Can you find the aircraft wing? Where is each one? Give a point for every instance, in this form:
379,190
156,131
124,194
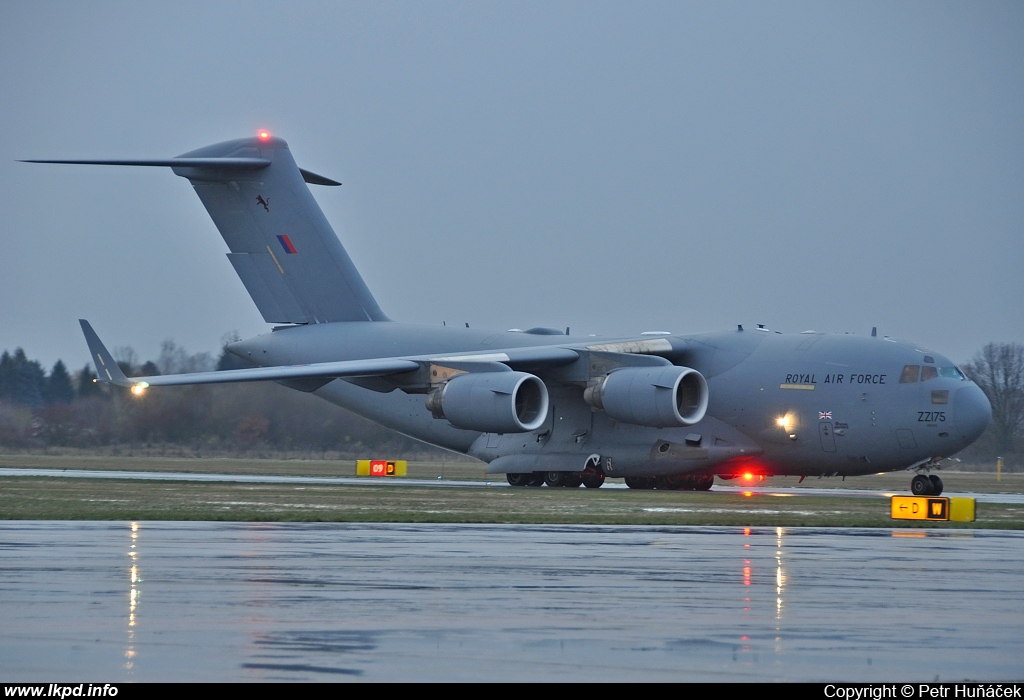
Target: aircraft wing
108,371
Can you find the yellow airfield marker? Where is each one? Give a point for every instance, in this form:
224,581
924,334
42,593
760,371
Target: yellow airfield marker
932,508
381,467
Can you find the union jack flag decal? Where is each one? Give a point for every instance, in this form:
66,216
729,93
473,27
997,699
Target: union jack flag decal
824,415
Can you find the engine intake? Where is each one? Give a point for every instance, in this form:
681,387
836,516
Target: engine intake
492,402
658,397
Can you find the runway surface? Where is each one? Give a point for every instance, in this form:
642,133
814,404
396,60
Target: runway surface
1009,498
158,601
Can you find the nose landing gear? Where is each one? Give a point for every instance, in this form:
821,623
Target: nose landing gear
926,485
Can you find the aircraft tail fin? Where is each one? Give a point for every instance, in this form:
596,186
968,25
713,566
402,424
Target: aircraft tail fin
282,247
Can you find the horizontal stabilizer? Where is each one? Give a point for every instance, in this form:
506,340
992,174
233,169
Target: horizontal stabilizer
281,245
217,163
208,163
314,179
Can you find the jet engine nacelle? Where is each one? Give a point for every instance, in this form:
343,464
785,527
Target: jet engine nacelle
492,402
658,397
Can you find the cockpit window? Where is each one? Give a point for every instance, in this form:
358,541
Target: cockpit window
951,372
909,375
928,372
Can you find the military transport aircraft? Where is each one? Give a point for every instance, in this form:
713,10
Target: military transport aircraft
542,406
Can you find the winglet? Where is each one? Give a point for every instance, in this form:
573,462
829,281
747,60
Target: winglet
107,370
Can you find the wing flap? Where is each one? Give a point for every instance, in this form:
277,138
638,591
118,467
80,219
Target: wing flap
321,370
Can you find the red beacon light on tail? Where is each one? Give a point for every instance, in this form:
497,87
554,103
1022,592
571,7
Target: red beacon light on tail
263,135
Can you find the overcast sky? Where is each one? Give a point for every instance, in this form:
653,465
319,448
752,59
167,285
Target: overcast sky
613,167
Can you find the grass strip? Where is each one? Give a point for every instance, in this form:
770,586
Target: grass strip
40,498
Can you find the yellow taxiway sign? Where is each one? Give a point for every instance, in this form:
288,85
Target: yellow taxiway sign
932,508
381,467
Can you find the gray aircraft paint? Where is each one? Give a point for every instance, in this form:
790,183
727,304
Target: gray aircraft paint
800,404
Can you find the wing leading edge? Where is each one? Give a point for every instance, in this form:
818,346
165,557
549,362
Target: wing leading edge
108,371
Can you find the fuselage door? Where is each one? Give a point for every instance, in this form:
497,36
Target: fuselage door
906,439
571,420
828,440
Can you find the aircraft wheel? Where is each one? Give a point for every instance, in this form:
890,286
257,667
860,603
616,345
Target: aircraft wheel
519,479
572,480
554,479
678,482
659,482
936,485
921,485
704,482
593,477
640,482
536,479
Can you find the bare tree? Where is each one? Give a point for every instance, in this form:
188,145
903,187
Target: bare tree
127,359
175,360
999,370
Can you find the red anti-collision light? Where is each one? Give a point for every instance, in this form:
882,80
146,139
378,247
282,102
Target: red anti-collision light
264,135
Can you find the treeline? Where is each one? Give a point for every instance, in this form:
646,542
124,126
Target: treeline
24,382
998,368
62,409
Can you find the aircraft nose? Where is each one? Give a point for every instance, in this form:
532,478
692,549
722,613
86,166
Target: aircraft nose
971,412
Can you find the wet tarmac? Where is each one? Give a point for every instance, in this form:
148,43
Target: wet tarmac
158,601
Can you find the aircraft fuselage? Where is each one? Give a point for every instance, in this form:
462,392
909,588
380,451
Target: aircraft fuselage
795,404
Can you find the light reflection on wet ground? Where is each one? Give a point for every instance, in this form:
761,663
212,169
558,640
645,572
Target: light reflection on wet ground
154,601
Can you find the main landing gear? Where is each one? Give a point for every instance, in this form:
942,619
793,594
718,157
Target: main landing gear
590,477
926,485
672,482
593,478
519,479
